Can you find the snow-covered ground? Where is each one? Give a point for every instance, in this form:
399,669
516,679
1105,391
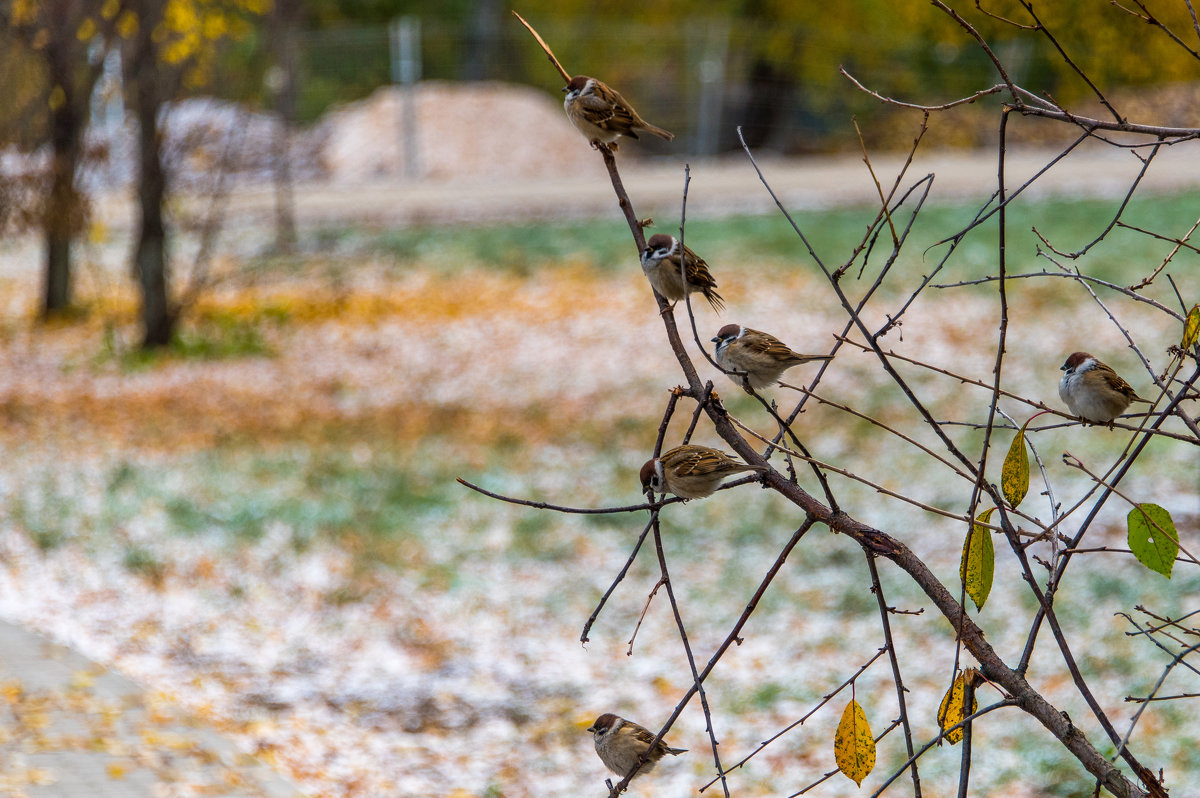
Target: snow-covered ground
215,521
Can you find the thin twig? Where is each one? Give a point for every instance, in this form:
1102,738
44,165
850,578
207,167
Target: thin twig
1074,462
897,679
566,76
587,627
558,508
800,721
1007,702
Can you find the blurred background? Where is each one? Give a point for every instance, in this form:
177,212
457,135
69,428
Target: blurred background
275,274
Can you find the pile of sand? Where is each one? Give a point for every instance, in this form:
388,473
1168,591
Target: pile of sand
455,131
451,131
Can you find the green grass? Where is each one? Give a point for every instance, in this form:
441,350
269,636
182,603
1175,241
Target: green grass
215,337
737,241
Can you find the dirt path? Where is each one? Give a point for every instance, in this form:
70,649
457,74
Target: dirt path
720,187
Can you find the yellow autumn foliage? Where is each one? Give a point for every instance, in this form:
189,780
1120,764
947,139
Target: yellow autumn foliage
87,29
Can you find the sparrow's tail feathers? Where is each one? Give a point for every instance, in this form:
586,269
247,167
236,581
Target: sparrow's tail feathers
658,131
714,299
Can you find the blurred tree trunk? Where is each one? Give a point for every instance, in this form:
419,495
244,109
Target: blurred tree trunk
769,91
284,23
149,86
68,120
70,78
483,42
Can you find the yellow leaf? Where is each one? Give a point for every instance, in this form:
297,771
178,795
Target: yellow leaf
978,564
81,680
23,12
215,26
87,29
1014,476
57,99
116,770
854,745
97,232
12,691
951,711
127,25
1191,327
110,8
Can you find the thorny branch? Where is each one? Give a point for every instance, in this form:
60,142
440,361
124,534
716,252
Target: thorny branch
875,542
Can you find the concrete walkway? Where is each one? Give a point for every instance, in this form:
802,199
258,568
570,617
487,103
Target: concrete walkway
69,728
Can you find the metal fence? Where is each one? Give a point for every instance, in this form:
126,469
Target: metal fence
702,78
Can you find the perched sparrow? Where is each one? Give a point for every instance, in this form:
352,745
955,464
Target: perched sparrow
691,472
620,742
1093,391
600,114
762,357
660,262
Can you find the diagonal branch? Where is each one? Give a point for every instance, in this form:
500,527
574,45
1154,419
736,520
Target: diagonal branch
566,76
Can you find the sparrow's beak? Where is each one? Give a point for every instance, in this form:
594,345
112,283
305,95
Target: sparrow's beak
1063,367
592,729
715,340
565,89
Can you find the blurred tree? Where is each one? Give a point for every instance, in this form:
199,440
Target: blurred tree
484,41
171,47
786,55
284,26
70,39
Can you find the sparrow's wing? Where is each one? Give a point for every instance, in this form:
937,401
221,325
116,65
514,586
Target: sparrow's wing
1118,384
608,113
694,460
699,276
765,345
642,735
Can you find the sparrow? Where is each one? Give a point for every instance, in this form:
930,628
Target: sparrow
621,742
1093,391
660,262
762,357
691,472
602,115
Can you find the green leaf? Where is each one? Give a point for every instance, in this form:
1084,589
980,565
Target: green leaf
854,745
1191,327
1014,476
1152,538
978,561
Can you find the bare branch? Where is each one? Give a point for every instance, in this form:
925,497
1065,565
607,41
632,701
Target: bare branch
800,722
566,76
999,87
629,508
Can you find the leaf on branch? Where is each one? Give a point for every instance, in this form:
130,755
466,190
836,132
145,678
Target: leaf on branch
952,710
978,560
854,745
1191,327
1014,476
1152,538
